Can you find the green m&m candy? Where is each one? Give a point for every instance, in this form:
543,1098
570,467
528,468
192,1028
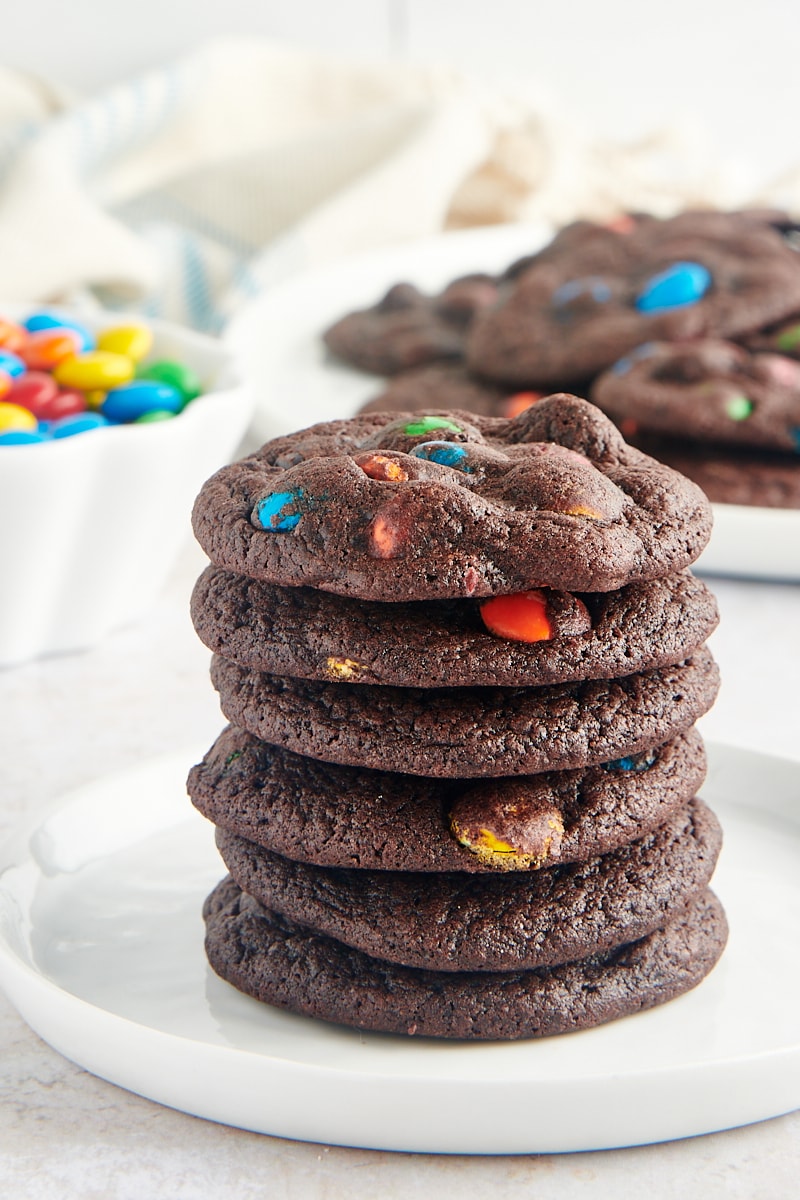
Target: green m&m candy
176,374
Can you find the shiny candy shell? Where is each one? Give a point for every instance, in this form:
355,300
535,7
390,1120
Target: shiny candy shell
22,437
133,400
521,617
33,390
175,374
135,341
94,369
12,336
681,284
46,348
13,418
45,319
80,423
11,363
446,454
279,512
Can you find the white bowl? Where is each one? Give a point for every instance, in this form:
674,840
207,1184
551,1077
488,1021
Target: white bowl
93,523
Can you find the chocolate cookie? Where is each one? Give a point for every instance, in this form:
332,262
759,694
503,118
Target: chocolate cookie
286,965
495,922
730,475
464,732
700,274
337,816
407,327
711,390
310,634
448,386
448,505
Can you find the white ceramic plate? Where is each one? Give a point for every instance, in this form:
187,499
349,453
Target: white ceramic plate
101,951
277,340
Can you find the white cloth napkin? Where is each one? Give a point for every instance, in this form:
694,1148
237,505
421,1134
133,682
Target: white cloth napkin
185,192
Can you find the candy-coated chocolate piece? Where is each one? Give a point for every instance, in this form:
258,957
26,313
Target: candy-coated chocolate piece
280,512
94,369
63,404
345,669
583,510
446,454
593,287
134,341
633,762
622,224
681,284
94,398
5,383
521,617
428,424
783,371
389,530
14,417
22,437
133,400
514,830
739,408
11,363
154,416
33,390
519,402
380,466
788,339
46,348
175,374
12,335
47,319
80,423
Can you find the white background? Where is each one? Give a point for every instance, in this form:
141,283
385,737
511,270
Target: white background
619,67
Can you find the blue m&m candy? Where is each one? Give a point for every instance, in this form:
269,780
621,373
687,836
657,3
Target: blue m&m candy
681,284
447,454
54,320
130,401
80,423
281,511
11,363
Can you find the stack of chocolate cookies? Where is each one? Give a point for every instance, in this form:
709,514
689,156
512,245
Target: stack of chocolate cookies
462,658
685,331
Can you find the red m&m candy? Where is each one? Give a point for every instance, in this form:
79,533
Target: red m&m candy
518,618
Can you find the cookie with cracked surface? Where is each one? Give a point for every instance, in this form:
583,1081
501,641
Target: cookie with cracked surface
591,301
446,505
465,732
286,965
709,390
456,921
530,639
337,816
407,327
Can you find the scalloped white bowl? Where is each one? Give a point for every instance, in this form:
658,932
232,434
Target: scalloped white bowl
93,523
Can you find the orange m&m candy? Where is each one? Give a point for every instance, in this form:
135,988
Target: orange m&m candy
46,348
519,402
519,618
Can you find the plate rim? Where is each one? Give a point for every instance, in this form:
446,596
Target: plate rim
294,1074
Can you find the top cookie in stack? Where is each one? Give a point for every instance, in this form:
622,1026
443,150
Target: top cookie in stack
462,659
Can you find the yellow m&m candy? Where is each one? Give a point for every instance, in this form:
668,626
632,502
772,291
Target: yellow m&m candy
134,341
94,370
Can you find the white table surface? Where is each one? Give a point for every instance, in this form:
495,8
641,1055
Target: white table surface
64,1133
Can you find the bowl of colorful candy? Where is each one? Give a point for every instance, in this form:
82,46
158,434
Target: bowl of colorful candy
108,427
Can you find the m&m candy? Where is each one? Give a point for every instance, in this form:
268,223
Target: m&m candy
58,380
